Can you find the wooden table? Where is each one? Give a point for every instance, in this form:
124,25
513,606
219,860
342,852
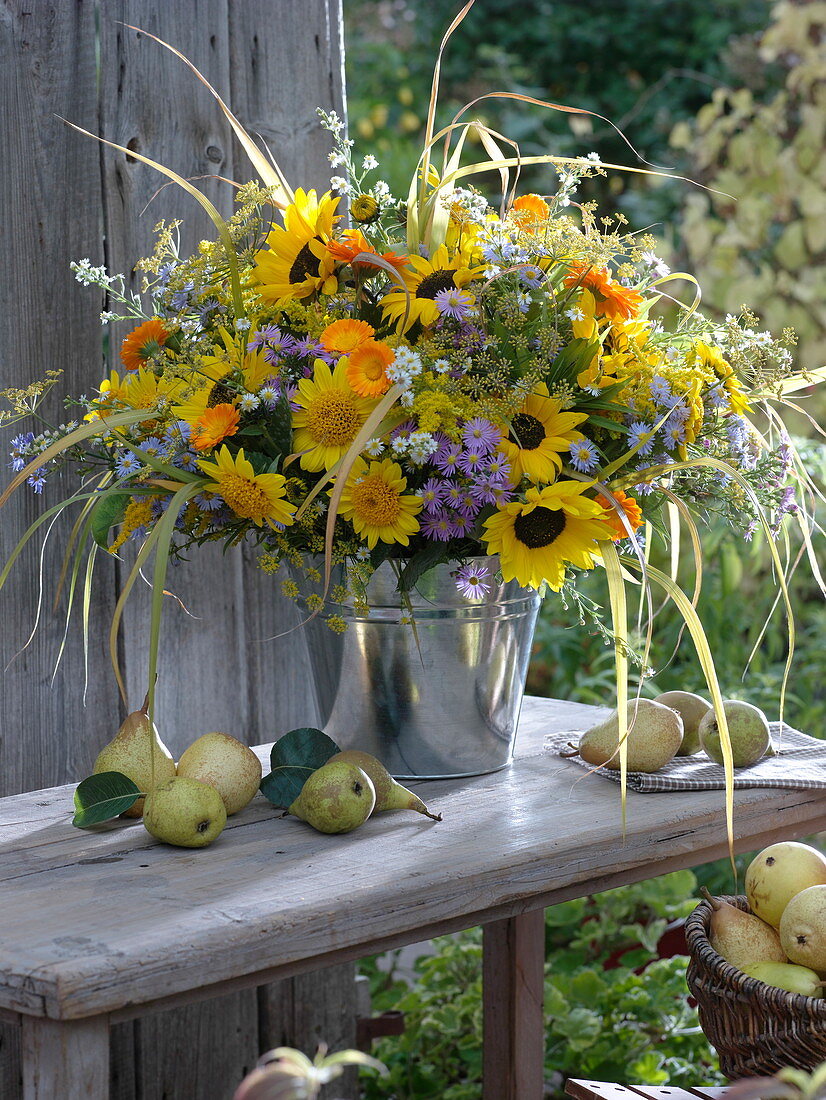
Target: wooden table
102,926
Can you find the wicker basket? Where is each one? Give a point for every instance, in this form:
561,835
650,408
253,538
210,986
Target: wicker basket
755,1028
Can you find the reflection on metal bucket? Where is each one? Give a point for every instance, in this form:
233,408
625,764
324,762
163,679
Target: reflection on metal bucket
434,699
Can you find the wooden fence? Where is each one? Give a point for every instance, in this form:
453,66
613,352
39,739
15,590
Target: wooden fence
63,197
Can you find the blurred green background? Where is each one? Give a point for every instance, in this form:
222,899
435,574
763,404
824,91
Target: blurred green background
730,95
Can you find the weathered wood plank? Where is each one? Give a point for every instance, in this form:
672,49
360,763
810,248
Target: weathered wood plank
269,893
513,964
65,1058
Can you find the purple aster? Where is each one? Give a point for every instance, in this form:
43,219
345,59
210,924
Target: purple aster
530,275
310,348
472,581
454,494
462,523
269,393
468,505
498,466
453,302
37,480
127,464
180,298
432,494
583,456
637,432
437,526
472,461
209,502
186,460
446,458
660,390
177,434
481,434
486,490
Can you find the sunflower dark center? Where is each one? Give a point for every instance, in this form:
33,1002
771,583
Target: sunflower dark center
539,528
526,431
431,284
220,395
305,264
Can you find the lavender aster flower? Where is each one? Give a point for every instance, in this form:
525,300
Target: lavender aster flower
583,456
660,390
127,464
453,302
432,494
472,581
480,433
446,458
37,480
639,431
437,526
472,460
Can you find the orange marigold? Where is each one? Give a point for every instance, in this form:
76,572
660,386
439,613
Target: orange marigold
143,342
345,336
530,213
630,508
353,242
367,366
217,423
612,299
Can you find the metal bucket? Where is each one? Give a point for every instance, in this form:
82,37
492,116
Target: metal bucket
435,699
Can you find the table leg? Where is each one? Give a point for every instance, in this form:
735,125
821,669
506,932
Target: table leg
514,1026
65,1058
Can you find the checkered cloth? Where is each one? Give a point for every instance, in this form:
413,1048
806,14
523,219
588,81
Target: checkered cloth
800,763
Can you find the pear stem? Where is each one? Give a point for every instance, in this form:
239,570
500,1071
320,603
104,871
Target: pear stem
433,817
715,903
568,755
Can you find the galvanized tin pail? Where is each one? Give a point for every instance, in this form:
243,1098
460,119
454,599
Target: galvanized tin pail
434,699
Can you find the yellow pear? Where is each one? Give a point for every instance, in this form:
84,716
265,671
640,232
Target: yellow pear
803,928
390,794
226,764
779,872
184,812
741,938
788,976
655,733
336,798
692,709
137,752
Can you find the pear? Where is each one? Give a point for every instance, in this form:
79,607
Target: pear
741,938
691,708
748,729
788,976
779,872
803,928
655,733
227,764
336,798
137,752
184,812
390,795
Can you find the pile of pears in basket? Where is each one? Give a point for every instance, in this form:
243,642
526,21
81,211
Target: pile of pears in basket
782,941
187,804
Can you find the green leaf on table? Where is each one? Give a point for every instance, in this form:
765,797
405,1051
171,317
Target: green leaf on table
103,796
293,759
109,510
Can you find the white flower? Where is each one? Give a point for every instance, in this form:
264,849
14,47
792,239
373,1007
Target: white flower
421,445
575,314
248,402
369,163
241,324
337,160
338,183
374,448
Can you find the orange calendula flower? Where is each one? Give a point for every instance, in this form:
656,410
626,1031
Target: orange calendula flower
353,242
630,509
612,299
214,425
367,368
345,336
530,213
143,342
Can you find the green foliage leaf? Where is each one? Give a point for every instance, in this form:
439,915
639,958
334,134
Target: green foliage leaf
293,759
103,796
109,510
260,462
433,554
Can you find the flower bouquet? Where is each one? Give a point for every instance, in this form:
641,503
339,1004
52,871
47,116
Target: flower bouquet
357,379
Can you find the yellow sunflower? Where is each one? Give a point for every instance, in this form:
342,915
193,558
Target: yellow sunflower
259,497
329,416
534,538
296,263
424,279
374,502
539,433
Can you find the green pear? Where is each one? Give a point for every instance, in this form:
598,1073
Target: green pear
748,730
337,797
803,928
226,764
741,938
390,795
137,752
184,812
654,735
788,976
779,872
692,709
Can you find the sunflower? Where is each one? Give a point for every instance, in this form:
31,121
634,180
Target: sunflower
424,279
539,433
374,503
328,417
258,497
366,369
630,509
612,299
250,367
143,343
296,263
214,425
534,538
